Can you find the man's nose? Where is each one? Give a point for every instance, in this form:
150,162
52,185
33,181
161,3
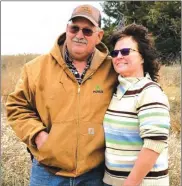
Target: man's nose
80,34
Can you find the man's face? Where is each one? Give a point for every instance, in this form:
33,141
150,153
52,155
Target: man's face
80,45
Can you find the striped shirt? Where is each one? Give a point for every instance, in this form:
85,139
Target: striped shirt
137,117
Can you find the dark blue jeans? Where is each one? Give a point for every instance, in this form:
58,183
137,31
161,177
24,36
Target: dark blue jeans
41,177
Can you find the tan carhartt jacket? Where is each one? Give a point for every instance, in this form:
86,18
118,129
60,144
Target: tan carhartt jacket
48,97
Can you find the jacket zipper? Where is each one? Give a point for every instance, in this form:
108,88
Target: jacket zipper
78,92
76,155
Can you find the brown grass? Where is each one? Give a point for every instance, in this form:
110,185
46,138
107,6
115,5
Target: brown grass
174,159
10,70
170,80
15,160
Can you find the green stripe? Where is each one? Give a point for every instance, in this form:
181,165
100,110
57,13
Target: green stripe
153,114
162,126
121,122
124,142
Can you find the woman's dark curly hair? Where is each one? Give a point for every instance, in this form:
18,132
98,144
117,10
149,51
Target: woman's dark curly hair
145,46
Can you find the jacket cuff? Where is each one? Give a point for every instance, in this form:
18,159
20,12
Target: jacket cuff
155,145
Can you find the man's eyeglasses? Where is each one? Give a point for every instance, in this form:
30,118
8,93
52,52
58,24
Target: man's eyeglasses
74,29
124,52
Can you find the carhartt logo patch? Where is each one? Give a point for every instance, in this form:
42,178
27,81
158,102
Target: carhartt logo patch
91,131
98,89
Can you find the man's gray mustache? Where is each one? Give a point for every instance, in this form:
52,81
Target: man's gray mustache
79,40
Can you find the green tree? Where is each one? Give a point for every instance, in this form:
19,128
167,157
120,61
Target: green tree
162,18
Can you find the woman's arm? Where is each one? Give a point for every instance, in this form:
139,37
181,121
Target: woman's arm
154,119
144,163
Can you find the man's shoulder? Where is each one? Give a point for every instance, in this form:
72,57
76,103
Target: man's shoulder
38,60
109,58
37,65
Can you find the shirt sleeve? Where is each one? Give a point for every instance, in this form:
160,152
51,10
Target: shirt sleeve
153,113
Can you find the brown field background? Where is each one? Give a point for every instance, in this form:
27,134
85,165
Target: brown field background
15,160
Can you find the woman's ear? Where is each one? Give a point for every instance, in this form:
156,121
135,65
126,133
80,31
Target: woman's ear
100,36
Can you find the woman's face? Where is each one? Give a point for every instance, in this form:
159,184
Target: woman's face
130,65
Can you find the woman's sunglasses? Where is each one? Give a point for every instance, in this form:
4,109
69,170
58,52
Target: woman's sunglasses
124,52
74,29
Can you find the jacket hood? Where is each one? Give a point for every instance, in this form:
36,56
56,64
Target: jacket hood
101,52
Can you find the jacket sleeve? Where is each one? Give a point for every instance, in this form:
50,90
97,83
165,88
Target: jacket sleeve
21,110
153,114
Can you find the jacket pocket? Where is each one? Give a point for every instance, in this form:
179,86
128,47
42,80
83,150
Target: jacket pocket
45,153
59,149
44,148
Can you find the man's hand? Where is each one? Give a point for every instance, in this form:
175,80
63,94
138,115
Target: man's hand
41,139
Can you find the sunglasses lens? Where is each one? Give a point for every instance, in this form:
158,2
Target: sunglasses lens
125,51
114,53
87,31
74,29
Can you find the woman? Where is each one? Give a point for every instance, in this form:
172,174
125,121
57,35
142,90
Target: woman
137,121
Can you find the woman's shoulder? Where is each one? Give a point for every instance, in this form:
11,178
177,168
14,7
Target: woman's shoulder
147,83
151,92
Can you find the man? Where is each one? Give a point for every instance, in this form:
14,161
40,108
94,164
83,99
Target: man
58,105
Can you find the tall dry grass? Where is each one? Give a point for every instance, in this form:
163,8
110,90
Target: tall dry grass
15,160
170,81
11,66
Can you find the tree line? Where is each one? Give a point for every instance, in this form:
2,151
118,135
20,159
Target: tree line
162,18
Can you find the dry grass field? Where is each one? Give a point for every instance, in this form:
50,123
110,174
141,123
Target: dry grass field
15,161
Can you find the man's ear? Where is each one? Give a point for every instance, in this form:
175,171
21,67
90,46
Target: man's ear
100,36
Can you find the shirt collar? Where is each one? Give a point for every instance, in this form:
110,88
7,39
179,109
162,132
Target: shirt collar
126,83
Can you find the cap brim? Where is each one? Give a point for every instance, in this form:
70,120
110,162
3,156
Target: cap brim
90,19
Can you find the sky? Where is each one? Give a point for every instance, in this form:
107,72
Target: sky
33,27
